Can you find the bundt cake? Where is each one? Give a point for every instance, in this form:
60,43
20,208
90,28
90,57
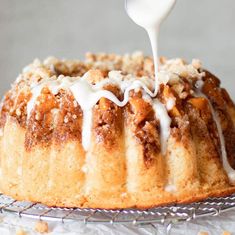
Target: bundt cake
93,134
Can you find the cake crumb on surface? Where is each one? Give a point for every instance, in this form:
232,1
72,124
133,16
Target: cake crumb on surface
203,233
21,232
226,233
41,227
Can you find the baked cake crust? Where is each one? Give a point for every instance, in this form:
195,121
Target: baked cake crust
43,159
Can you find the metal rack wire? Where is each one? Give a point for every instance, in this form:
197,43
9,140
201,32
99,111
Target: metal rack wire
164,215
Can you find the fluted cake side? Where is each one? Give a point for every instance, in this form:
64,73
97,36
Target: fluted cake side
121,148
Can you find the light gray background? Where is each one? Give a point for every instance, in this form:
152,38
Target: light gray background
68,28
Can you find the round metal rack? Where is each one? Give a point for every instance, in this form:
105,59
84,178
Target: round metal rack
166,214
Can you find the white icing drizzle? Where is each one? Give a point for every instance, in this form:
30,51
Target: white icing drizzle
228,169
87,95
165,122
36,91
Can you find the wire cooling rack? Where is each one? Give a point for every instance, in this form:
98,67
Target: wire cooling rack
166,214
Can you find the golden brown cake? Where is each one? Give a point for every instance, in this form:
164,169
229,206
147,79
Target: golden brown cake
93,134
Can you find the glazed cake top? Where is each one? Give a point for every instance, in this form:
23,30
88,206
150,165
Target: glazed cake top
87,81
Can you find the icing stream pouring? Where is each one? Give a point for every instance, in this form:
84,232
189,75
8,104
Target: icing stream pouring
149,14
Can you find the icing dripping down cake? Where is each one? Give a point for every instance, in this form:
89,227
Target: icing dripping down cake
93,134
